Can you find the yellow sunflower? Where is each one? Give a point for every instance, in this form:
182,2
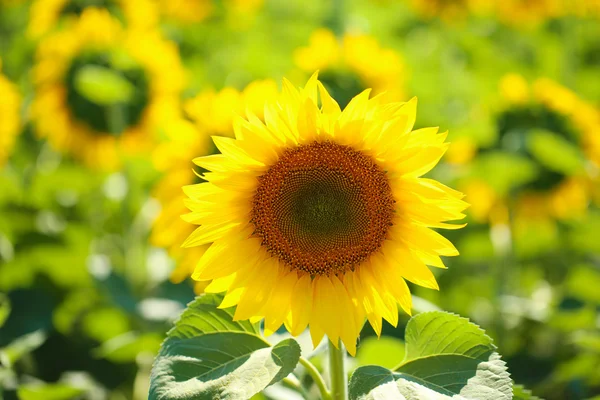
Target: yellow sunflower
317,216
101,91
187,11
10,122
451,11
353,64
550,125
44,15
212,113
529,12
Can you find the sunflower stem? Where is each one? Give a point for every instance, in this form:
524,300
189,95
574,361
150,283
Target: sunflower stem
317,378
337,371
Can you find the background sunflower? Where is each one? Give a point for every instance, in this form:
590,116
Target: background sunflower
101,92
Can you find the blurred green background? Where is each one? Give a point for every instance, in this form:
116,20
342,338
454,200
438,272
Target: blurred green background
104,103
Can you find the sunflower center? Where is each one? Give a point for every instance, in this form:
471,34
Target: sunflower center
323,208
107,91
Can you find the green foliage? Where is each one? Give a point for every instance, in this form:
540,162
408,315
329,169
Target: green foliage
521,393
384,351
103,86
49,392
4,308
555,152
207,355
447,356
20,347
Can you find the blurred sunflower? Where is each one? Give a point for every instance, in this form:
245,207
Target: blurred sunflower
551,127
100,90
212,113
529,12
10,103
351,65
187,11
450,11
195,11
44,15
326,211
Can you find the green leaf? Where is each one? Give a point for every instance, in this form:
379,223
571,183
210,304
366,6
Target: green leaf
49,392
207,355
103,86
436,332
384,351
555,152
446,357
126,347
516,170
520,393
21,346
202,316
4,308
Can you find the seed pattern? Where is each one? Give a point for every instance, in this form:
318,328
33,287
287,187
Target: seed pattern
323,208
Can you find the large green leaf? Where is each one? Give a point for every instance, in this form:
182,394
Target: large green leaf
207,355
446,357
202,316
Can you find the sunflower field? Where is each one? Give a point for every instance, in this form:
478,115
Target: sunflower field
244,199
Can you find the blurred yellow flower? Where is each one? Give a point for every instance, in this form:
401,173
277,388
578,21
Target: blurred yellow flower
358,55
187,11
10,120
461,151
528,12
45,15
212,114
214,111
101,91
325,211
451,11
569,126
515,89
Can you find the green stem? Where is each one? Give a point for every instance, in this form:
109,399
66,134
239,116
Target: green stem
317,378
337,372
293,383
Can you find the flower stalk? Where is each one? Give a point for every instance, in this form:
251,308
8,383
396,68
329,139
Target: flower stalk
337,372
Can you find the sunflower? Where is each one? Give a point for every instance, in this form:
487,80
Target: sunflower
450,11
212,114
187,11
10,102
529,12
551,127
101,91
352,65
45,15
317,216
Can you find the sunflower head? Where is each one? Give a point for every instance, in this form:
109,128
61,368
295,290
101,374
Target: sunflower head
550,125
318,216
100,90
45,15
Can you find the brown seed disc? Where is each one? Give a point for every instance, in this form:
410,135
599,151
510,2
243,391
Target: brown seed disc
323,208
